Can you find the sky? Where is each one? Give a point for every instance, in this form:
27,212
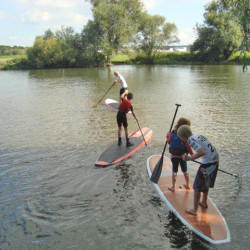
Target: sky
22,20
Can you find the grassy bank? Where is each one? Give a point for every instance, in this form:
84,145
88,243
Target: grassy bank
168,58
12,62
16,62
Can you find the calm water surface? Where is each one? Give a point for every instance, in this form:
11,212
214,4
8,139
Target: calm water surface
52,196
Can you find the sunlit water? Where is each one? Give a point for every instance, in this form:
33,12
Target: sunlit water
52,196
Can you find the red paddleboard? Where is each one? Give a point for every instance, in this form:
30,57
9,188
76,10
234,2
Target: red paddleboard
209,223
115,154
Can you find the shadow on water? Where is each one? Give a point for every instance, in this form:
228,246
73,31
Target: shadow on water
180,236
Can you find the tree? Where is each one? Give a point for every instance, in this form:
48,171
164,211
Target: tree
154,33
118,22
241,11
219,36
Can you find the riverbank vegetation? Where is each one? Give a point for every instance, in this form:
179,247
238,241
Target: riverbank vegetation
123,32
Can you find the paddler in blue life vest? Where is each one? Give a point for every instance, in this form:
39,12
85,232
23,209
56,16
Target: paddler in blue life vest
177,148
123,84
206,174
121,117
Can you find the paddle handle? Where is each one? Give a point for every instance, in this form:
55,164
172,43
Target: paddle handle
223,171
141,132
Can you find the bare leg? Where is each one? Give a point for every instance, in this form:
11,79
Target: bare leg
197,196
126,132
174,175
186,175
203,203
119,132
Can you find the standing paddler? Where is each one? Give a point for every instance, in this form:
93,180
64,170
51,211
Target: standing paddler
120,80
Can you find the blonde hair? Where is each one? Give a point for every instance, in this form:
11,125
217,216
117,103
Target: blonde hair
182,121
116,72
184,131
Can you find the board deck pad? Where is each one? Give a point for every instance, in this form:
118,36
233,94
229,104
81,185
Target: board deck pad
115,153
113,105
209,223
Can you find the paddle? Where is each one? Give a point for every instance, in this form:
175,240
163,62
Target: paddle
219,170
141,132
158,168
95,105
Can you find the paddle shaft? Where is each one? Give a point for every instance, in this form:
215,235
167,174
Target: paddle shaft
219,170
158,168
105,94
141,132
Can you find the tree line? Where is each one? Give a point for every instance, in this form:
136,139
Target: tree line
125,25
9,50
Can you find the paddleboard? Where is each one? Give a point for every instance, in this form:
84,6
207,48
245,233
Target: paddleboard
209,223
114,153
113,105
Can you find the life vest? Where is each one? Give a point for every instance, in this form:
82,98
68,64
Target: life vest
176,147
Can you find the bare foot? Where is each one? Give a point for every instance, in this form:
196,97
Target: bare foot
186,186
203,205
191,211
172,189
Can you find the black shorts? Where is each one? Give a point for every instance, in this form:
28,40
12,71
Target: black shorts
122,90
205,177
175,165
122,119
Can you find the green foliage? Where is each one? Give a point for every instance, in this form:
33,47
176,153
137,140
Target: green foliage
65,48
219,37
117,22
241,11
154,33
15,50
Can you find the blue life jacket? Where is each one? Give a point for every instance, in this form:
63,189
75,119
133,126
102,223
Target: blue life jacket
177,147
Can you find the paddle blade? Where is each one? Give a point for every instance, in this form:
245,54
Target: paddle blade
95,106
157,171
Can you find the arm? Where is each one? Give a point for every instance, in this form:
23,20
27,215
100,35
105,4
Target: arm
189,149
114,82
133,113
168,137
195,156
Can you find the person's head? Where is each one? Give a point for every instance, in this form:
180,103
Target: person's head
130,96
182,121
184,132
116,73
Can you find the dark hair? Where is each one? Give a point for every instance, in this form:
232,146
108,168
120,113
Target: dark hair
130,96
182,121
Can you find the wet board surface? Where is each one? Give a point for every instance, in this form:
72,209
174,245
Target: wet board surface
113,105
114,153
209,223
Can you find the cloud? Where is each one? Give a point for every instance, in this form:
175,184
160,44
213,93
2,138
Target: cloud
78,18
149,4
186,36
55,3
2,15
36,16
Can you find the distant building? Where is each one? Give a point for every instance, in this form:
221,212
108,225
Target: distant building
171,48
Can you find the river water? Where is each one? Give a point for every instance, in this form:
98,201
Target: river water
52,196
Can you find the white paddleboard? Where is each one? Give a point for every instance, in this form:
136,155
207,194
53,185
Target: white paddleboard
209,223
113,105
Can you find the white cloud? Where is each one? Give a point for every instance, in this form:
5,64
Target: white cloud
55,3
186,36
2,15
78,18
36,16
149,4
